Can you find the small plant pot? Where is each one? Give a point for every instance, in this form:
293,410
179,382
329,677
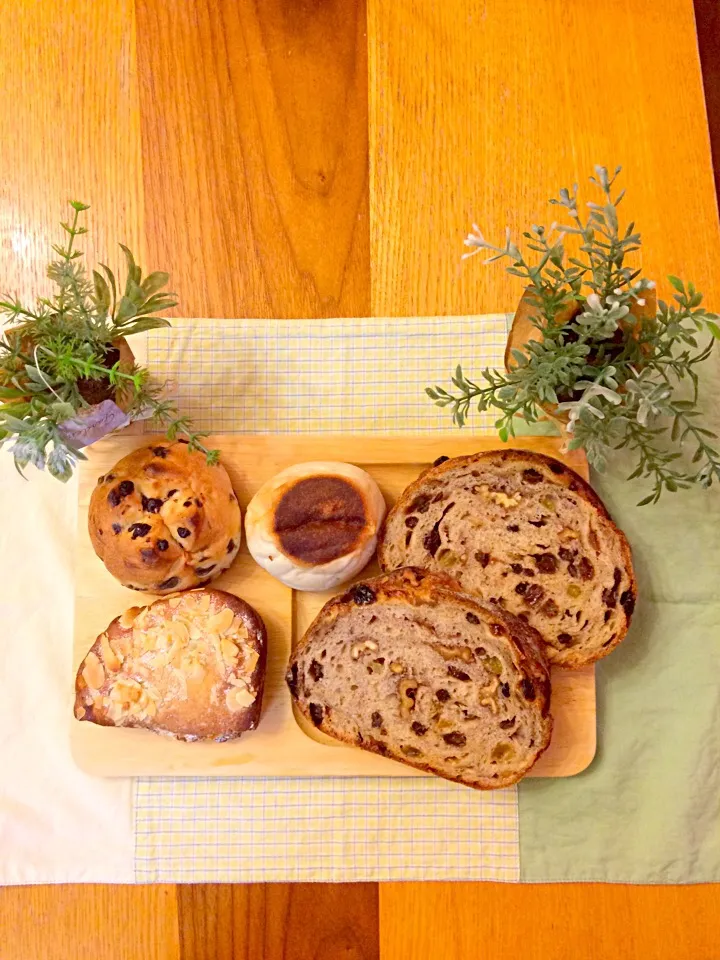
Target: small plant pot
95,392
523,330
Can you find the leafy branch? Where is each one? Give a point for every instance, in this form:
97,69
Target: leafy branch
57,356
618,371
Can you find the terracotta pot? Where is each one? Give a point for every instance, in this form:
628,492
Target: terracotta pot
95,391
523,330
92,391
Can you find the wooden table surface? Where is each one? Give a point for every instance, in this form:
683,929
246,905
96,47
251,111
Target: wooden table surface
287,158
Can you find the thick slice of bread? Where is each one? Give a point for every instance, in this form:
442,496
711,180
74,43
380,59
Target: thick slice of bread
522,530
191,666
407,666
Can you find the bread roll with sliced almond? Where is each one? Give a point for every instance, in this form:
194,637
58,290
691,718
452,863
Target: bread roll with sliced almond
315,525
525,531
191,666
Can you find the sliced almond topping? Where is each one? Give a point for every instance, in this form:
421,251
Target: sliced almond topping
179,632
79,712
150,708
238,698
111,660
239,628
128,618
221,622
175,602
93,673
250,662
228,650
203,602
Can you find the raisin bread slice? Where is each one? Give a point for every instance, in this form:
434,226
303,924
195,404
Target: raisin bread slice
525,531
407,666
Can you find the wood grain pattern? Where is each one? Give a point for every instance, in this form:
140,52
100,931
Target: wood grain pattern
285,744
99,921
69,129
547,922
707,17
279,922
254,130
479,111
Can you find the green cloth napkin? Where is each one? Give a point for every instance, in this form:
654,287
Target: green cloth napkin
647,810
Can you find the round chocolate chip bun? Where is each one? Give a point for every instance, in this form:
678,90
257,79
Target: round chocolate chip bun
408,666
163,519
190,666
525,531
315,525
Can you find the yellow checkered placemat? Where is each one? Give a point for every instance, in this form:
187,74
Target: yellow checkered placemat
331,376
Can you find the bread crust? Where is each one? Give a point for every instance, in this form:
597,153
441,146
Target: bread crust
163,520
314,525
204,699
419,588
558,473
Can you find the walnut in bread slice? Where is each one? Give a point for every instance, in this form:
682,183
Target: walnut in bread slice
191,666
408,666
525,531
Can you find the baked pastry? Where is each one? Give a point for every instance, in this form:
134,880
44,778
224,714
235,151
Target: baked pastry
315,525
163,520
409,667
191,666
525,531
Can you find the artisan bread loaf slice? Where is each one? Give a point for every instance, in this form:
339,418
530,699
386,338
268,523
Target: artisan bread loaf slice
522,530
407,666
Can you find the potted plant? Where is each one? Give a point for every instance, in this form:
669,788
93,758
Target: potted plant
590,346
67,373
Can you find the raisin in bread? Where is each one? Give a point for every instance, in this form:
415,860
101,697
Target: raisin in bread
191,666
407,666
163,519
522,530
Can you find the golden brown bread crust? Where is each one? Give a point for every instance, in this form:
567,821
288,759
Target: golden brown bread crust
563,476
420,588
191,666
164,520
318,519
314,525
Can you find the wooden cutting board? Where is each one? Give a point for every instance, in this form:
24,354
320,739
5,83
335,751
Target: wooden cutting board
283,745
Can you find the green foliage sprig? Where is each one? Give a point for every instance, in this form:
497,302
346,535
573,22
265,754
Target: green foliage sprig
52,354
619,382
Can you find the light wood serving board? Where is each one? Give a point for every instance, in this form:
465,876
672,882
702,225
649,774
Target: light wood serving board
283,745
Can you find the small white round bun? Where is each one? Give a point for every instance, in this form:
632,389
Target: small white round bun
315,525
